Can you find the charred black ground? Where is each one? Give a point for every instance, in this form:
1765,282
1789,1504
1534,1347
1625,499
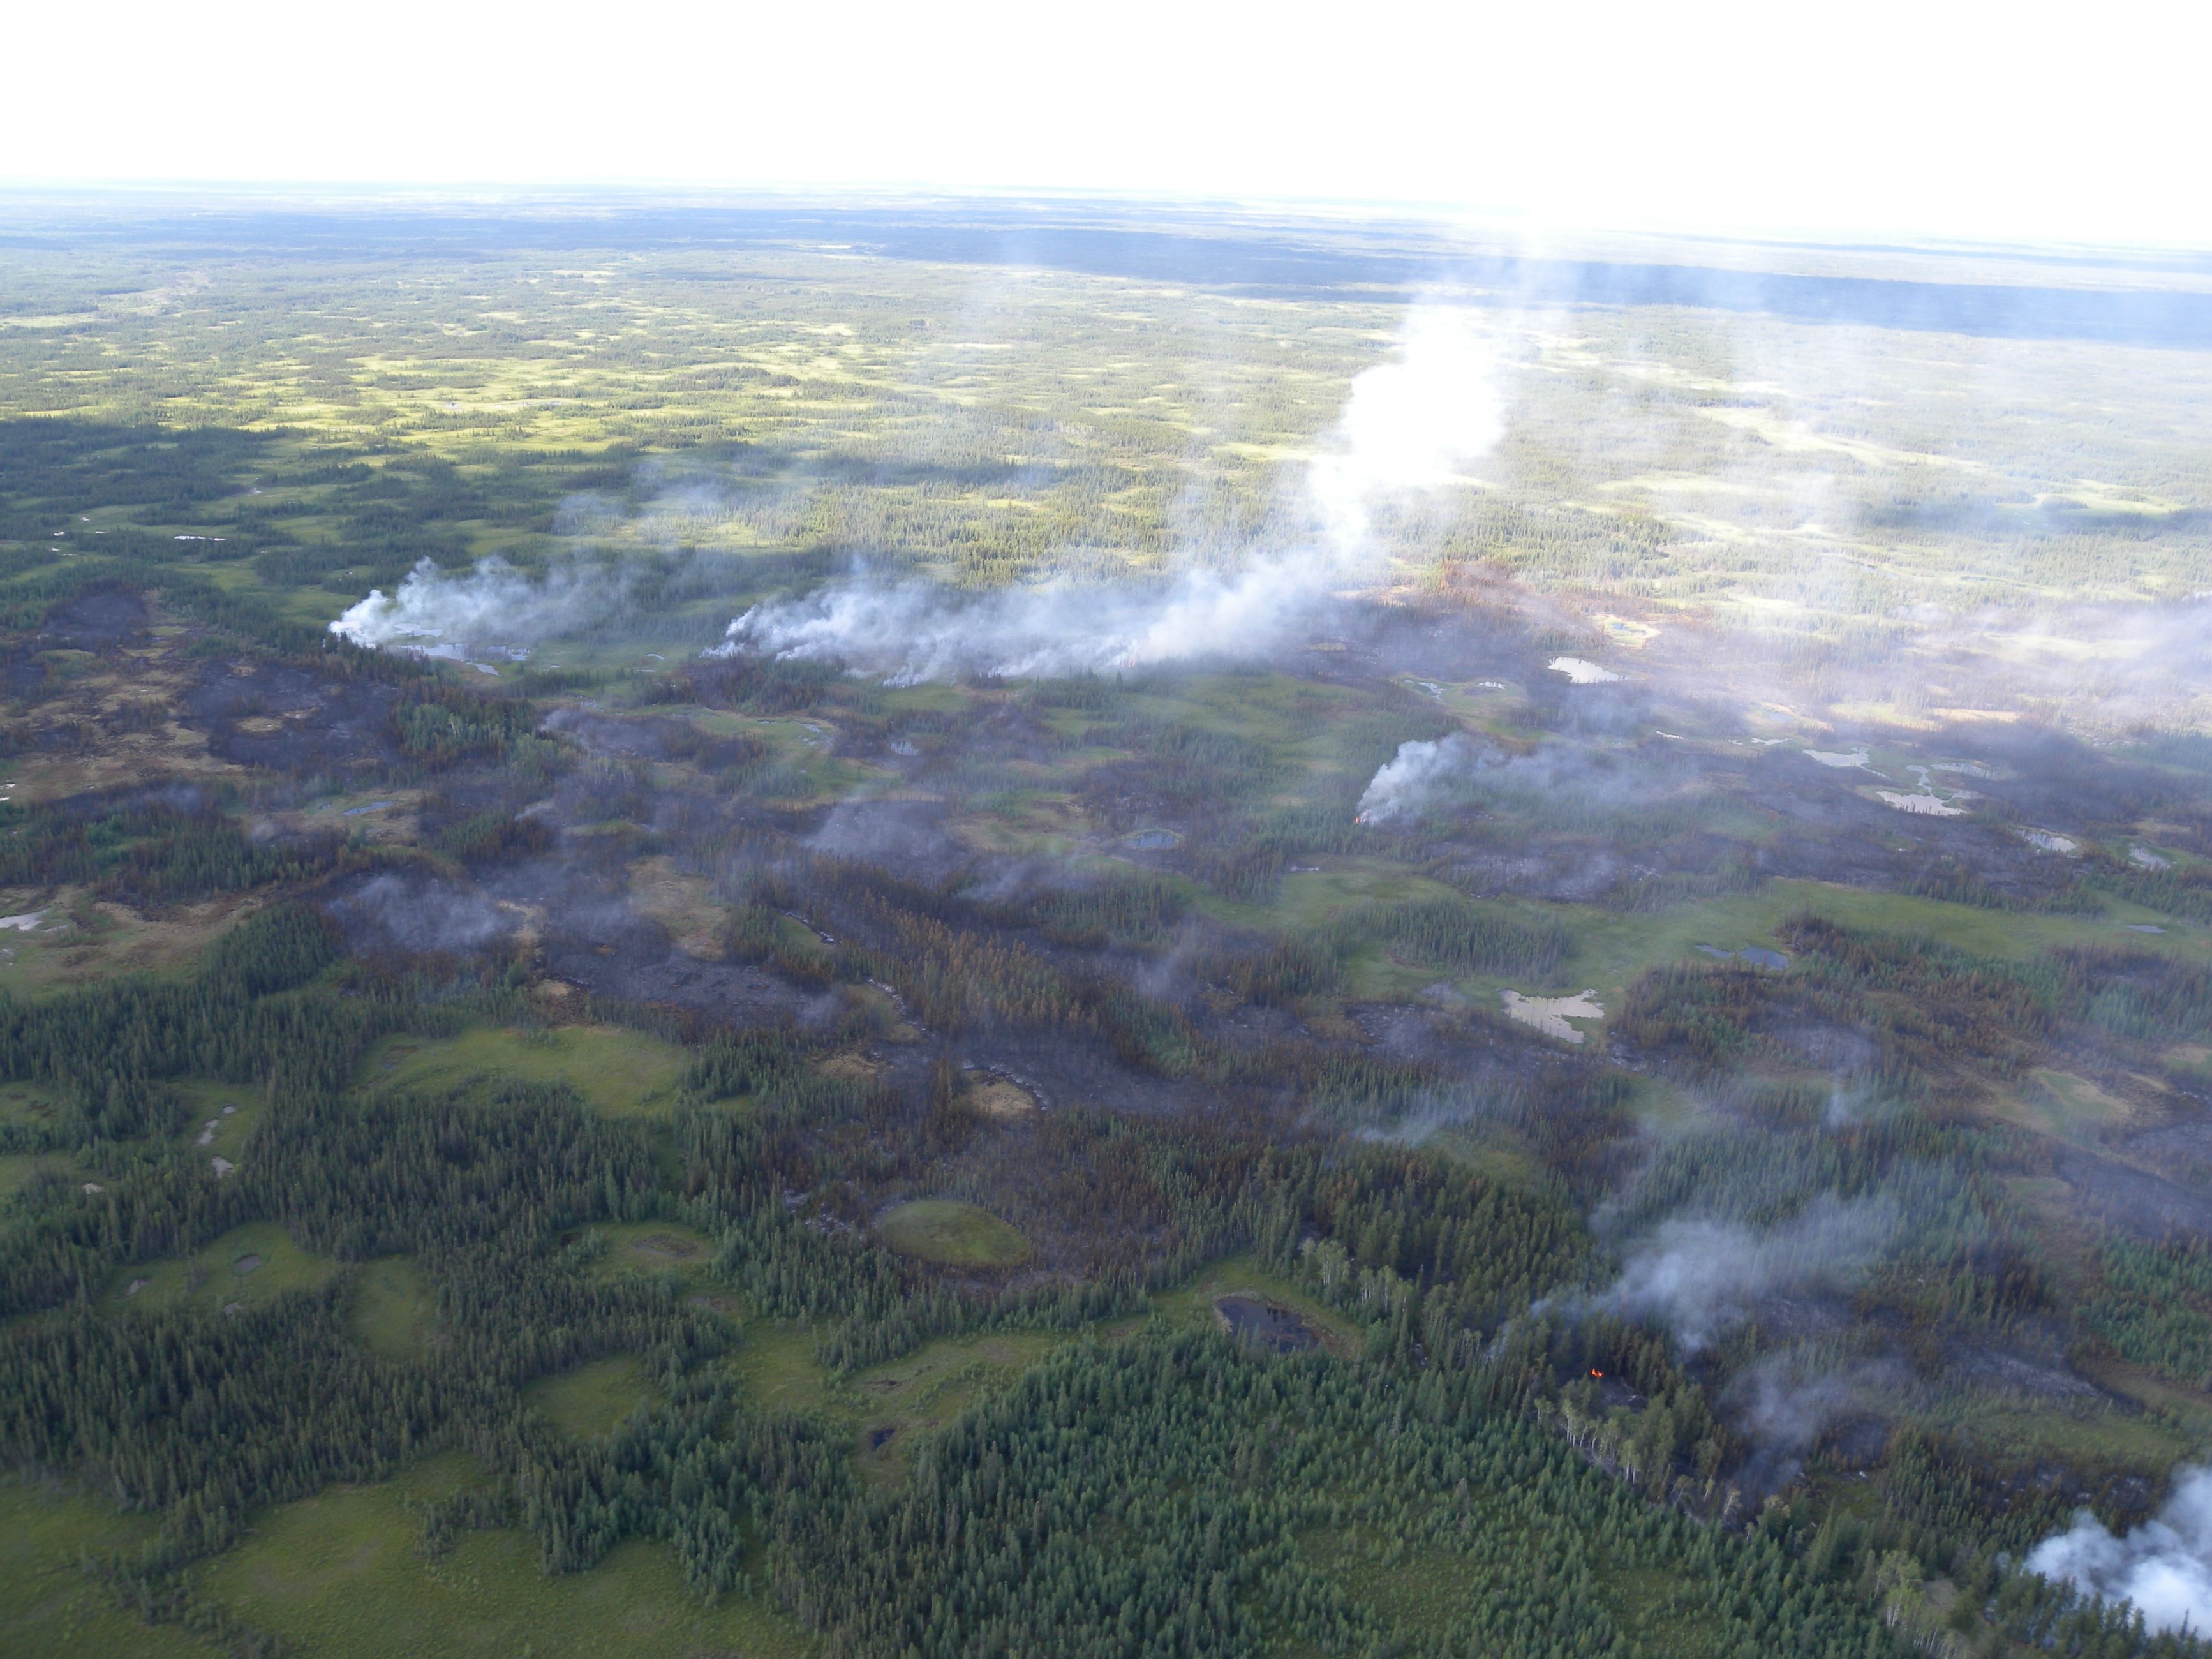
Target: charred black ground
1519,1118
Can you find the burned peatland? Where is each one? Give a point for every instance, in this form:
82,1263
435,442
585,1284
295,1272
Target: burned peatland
1712,1159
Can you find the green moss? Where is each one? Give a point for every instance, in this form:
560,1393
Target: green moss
592,1399
50,1608
244,1268
656,1248
339,1575
952,1234
617,1071
394,1311
777,1367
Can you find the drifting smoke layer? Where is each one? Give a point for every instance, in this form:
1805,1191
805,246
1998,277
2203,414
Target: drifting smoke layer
494,601
1699,1275
1413,777
910,631
1783,1407
1405,427
2163,1566
395,912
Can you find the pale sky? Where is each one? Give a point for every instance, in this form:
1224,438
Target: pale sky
2025,121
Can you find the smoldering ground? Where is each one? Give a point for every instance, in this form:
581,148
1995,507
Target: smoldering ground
2163,1567
1406,427
494,602
1588,756
1699,1275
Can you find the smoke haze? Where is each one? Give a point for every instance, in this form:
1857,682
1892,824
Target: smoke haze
1699,1276
493,602
1406,426
2164,1566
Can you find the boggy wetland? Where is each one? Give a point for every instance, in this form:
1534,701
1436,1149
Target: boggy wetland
997,928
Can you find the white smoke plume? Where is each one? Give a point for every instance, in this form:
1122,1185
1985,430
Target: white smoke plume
494,602
2164,1566
1409,424
1425,772
1700,1276
1783,1406
1415,777
910,631
1406,427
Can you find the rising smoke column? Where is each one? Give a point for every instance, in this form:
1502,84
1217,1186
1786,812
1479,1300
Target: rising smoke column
2164,1566
1406,426
494,601
1415,775
1700,1275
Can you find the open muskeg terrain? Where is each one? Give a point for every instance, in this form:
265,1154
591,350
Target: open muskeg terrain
735,930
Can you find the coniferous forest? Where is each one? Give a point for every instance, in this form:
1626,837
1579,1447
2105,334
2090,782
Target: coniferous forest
691,967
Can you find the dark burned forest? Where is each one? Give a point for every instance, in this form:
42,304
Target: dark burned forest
702,1073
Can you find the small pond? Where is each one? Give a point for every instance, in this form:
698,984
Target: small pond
1757,955
1266,1325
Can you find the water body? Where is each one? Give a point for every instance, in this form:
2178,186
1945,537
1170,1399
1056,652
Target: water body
2142,302
1757,955
1266,1325
1153,841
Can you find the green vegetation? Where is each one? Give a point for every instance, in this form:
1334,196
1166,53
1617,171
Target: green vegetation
394,1310
49,1606
248,1267
345,1573
578,1144
622,1073
592,1399
952,1234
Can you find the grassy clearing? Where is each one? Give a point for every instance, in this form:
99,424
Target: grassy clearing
28,1104
49,1608
394,1311
2090,1437
16,1168
1489,1153
616,1071
777,1368
1309,898
245,1268
2061,1105
85,940
897,1403
338,1575
592,1399
1610,948
952,1234
656,1248
892,1405
1985,932
219,1116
